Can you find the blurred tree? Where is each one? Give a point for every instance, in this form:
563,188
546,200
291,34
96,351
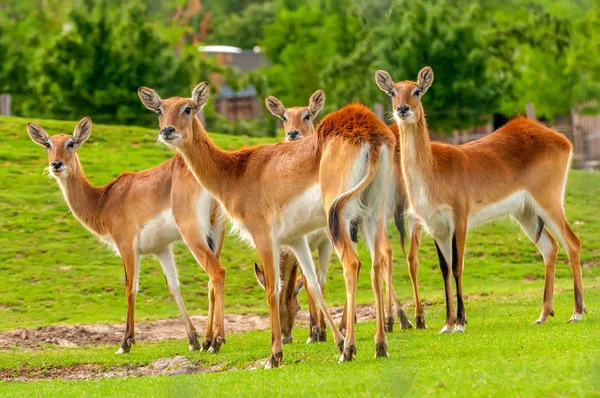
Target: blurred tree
244,29
96,66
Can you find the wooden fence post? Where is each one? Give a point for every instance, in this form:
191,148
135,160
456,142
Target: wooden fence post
530,111
378,111
5,104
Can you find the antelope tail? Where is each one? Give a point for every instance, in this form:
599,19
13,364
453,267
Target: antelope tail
336,210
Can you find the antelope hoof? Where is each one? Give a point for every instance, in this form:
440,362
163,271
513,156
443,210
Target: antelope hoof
216,345
194,344
575,318
322,335
446,329
341,346
314,335
540,321
348,354
126,346
381,350
206,344
459,329
405,323
287,339
420,321
274,360
389,324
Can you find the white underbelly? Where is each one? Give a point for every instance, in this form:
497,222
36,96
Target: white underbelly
510,205
158,233
302,215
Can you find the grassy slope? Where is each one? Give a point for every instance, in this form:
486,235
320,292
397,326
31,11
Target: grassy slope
53,271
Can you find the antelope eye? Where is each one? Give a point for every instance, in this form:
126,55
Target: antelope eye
47,145
187,110
306,118
159,112
417,92
71,144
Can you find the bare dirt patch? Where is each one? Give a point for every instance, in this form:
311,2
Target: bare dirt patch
161,367
166,329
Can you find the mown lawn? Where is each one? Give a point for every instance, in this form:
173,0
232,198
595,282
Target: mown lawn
53,271
501,354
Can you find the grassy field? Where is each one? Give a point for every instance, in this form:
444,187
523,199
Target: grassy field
53,271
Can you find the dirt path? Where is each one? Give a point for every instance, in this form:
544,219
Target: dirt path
167,329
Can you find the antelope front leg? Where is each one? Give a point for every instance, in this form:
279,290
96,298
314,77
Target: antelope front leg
444,251
167,263
269,257
130,263
413,269
458,252
325,250
314,327
391,296
303,254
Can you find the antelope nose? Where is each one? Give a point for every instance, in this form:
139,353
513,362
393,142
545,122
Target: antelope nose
57,164
167,130
293,135
402,109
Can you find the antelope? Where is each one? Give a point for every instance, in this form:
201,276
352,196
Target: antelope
298,122
519,171
276,194
144,213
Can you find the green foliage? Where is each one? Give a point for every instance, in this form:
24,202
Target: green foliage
95,67
243,29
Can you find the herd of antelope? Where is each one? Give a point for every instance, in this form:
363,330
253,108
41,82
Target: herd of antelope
320,189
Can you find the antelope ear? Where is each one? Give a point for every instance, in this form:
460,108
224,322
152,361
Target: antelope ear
260,275
316,102
149,98
425,78
385,83
37,134
298,286
200,95
82,130
275,106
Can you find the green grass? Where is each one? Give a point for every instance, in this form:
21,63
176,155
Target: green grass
501,354
53,271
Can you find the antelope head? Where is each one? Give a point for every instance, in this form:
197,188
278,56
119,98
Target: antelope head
176,114
298,121
406,95
62,155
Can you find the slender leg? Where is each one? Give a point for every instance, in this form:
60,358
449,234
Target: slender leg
167,263
303,254
458,253
210,319
313,311
391,296
197,243
413,269
529,222
325,250
377,241
268,253
288,302
444,251
130,259
554,216
345,317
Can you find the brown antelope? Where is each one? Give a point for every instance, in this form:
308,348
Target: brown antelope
144,213
276,194
298,122
520,170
